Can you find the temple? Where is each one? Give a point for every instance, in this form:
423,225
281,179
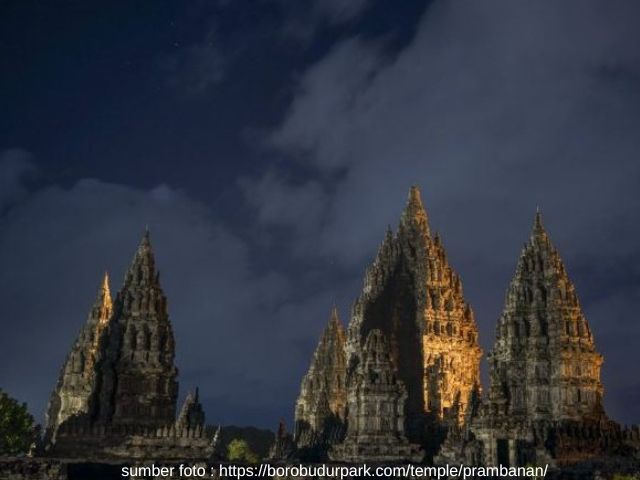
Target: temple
412,387
545,397
414,300
77,380
321,406
400,384
117,392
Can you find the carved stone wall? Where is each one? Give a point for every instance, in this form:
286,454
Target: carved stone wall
137,371
117,394
544,365
320,408
376,402
545,397
414,297
76,385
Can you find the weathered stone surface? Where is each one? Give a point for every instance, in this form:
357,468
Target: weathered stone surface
117,393
77,381
544,365
545,397
191,414
414,297
376,402
137,371
320,408
284,447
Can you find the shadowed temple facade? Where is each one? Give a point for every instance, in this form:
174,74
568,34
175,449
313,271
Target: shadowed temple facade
117,392
403,384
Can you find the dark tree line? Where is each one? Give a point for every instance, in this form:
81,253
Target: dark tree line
17,427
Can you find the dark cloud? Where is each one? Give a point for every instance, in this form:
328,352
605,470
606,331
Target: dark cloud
303,19
338,11
494,108
279,202
16,166
195,68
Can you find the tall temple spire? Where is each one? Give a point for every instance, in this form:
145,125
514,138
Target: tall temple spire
543,325
142,270
139,371
103,304
334,320
73,393
320,408
538,232
414,297
414,215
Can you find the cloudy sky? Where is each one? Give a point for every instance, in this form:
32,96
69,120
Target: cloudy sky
268,144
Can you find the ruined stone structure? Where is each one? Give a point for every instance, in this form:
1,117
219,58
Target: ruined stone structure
321,405
117,393
376,403
545,397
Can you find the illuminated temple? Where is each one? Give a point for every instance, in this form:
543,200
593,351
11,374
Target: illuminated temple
420,399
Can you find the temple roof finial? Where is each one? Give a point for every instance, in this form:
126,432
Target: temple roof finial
334,311
105,283
104,303
414,212
146,238
538,228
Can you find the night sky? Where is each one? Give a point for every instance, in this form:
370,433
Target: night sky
268,144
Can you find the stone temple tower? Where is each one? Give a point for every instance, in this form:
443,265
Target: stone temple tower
544,365
545,397
413,296
137,371
320,408
116,397
73,394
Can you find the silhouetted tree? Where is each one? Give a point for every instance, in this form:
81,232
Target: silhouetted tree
17,430
239,451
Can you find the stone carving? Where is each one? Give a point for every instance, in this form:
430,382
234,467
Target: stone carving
284,447
376,402
138,378
77,380
545,397
320,408
117,393
191,414
544,365
414,297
